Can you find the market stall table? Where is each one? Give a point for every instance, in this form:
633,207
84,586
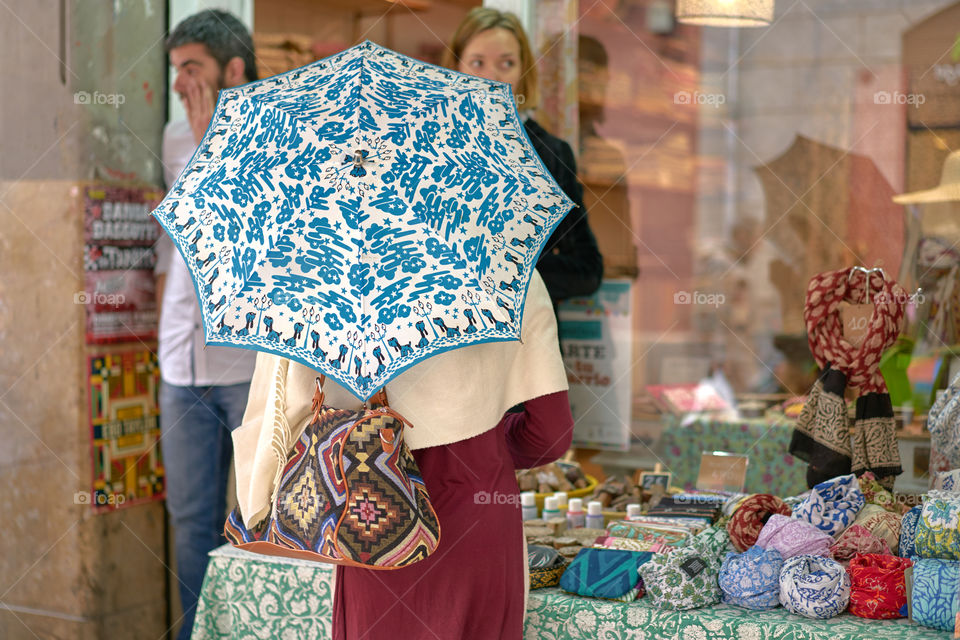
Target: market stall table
246,595
771,469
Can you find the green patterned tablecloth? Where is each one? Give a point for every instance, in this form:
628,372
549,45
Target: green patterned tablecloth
555,615
771,468
247,596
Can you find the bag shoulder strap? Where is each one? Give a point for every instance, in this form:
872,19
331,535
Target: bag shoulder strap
378,400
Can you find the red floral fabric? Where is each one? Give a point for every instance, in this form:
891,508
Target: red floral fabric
877,588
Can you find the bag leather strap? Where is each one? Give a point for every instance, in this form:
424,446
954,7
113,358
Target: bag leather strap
379,399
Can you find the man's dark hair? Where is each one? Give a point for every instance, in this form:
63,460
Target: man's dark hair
222,34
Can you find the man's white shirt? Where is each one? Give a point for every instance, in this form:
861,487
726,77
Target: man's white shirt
184,358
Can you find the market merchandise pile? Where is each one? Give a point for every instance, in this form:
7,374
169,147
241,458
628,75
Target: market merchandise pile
847,545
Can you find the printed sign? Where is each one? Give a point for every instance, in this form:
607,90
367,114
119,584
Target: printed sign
118,259
124,430
722,471
595,334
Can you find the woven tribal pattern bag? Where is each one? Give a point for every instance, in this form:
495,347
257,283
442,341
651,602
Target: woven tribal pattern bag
350,493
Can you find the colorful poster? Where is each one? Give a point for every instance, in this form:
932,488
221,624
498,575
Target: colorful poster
595,334
124,430
118,259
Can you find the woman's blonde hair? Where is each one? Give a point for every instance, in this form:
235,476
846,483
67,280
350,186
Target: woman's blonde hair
482,19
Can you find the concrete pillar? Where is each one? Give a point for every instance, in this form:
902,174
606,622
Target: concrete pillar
65,572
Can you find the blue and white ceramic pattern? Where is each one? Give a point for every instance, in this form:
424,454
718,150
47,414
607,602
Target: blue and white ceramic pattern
362,213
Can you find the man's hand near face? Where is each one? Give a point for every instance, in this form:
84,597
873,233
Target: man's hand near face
198,101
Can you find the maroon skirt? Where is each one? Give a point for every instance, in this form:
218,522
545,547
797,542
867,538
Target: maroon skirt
472,585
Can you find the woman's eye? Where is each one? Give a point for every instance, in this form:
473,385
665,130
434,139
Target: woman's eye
508,64
476,64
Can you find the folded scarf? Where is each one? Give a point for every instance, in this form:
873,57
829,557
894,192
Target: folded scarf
752,579
650,533
938,528
686,578
822,436
881,523
935,599
631,544
877,586
875,493
747,521
792,537
814,587
832,505
856,539
693,525
908,532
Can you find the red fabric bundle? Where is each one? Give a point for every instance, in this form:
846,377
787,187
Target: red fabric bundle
877,588
747,521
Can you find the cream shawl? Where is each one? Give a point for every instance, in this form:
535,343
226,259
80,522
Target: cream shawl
450,397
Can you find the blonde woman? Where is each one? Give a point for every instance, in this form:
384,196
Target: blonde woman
492,44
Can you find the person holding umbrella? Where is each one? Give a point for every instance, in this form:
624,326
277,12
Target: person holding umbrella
492,44
378,221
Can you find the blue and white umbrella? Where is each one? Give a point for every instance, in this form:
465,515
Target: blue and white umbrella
363,213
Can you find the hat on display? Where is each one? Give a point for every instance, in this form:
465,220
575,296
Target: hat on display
947,191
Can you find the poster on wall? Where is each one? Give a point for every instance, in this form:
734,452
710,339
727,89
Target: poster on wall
124,430
118,260
596,337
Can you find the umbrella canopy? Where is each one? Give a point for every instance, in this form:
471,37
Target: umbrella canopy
363,213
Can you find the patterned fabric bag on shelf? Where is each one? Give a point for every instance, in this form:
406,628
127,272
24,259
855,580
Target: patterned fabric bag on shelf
877,586
814,587
546,566
606,573
686,578
832,505
935,599
752,579
752,513
938,528
792,537
350,493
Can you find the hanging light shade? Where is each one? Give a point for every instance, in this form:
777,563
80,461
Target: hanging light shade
726,13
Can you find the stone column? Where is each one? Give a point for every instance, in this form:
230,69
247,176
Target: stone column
64,571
